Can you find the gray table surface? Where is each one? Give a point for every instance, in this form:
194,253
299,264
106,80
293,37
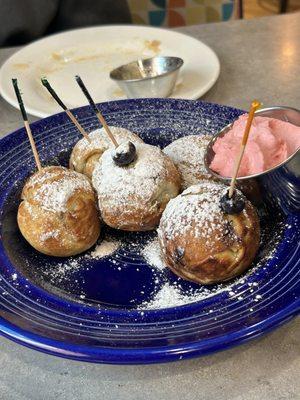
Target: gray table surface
259,59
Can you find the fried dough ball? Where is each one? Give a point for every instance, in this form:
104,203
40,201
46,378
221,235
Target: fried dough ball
58,213
200,242
133,197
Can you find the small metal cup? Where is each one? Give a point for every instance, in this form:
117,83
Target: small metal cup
278,186
152,77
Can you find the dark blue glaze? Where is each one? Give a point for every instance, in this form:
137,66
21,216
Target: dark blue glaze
106,325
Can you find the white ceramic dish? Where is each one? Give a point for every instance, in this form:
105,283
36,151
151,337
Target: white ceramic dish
92,53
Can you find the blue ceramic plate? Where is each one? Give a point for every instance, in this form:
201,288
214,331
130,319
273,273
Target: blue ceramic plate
120,309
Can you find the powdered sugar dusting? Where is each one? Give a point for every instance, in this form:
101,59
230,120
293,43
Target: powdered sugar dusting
55,187
197,209
150,118
64,270
167,291
105,248
49,235
173,294
167,296
187,153
100,140
123,148
152,254
127,185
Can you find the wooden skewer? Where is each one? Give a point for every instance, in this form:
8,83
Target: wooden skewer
96,110
64,107
26,124
254,106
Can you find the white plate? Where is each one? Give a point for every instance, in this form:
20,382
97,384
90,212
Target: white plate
92,53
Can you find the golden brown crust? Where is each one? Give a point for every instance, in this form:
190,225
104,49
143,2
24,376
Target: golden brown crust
85,161
85,155
226,252
59,223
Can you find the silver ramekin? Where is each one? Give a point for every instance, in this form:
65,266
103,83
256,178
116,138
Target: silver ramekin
152,77
278,186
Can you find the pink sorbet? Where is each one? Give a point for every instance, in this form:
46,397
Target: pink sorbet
270,142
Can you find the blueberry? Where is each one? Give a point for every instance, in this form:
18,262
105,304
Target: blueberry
124,154
233,205
179,253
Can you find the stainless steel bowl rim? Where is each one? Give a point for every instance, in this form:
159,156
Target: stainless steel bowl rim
180,64
241,178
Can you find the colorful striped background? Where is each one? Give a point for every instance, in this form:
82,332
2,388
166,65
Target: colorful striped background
172,13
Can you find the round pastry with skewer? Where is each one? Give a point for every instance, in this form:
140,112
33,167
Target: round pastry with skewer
187,154
202,243
86,153
133,195
134,181
58,215
210,233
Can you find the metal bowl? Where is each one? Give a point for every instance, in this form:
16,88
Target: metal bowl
152,77
277,186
